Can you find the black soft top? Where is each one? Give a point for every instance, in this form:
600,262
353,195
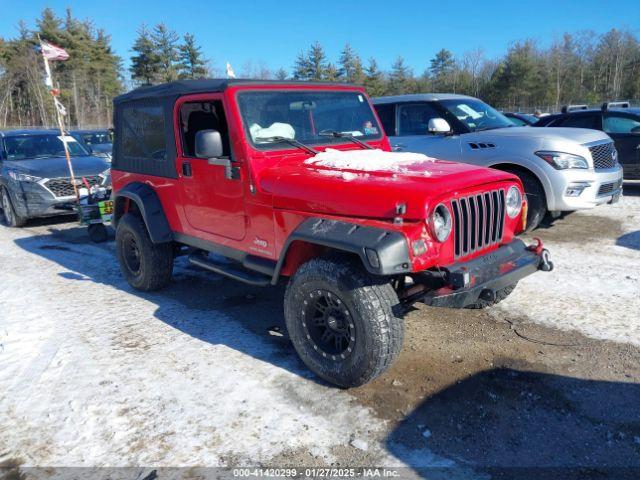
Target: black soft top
185,87
163,98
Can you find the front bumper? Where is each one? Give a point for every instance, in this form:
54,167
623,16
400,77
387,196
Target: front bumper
600,186
482,277
34,199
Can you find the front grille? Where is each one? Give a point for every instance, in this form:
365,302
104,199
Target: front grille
62,187
478,221
604,155
608,188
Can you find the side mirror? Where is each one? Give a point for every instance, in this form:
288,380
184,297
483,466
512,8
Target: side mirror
438,125
208,144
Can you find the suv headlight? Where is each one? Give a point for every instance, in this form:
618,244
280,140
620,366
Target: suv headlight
441,222
514,201
562,161
22,177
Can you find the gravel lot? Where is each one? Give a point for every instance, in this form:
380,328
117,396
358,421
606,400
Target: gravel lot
96,374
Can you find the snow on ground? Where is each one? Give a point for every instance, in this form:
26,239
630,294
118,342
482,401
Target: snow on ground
368,160
595,286
95,374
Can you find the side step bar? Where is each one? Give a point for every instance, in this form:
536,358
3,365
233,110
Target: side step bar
231,271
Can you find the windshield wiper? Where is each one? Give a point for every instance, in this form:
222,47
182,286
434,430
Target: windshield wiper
290,141
348,136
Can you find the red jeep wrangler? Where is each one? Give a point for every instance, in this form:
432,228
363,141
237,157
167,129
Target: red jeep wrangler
296,181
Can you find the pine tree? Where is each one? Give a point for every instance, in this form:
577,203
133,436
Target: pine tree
50,27
317,61
166,48
350,66
281,74
145,65
400,77
302,67
331,73
518,77
191,62
442,69
374,79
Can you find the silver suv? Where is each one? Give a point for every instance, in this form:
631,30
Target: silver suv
562,169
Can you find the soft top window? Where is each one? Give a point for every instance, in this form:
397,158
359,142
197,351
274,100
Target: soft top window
143,132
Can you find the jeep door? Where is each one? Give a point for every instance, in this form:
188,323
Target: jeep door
624,129
212,194
411,134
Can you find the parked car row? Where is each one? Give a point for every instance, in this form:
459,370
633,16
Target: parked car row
98,142
564,169
617,119
34,175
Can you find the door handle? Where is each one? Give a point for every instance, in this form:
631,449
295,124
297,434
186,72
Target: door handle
398,146
186,169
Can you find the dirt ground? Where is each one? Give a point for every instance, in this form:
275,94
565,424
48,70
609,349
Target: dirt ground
194,376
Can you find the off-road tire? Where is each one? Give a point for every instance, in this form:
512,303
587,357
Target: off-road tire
9,216
536,199
500,295
371,307
155,260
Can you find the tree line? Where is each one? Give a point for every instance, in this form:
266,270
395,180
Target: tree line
580,67
88,80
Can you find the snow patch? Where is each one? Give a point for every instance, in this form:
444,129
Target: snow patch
594,288
369,160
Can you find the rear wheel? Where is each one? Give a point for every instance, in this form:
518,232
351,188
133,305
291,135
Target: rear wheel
341,321
10,217
145,265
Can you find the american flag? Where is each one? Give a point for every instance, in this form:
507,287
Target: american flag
53,52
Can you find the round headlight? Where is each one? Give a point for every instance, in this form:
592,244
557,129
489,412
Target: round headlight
441,222
514,201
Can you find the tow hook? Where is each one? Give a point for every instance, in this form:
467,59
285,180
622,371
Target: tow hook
546,265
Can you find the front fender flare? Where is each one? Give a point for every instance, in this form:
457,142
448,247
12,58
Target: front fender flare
382,252
150,208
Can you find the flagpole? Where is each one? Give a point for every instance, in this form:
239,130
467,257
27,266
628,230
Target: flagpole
49,83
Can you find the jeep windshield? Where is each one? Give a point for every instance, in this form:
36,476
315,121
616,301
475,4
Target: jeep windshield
26,147
476,115
306,116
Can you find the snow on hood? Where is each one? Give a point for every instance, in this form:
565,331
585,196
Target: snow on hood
368,160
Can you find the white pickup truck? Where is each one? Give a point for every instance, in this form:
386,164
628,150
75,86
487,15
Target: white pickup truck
562,169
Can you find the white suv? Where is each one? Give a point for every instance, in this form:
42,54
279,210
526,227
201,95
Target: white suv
562,169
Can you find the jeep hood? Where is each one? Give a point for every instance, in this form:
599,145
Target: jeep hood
537,134
356,190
